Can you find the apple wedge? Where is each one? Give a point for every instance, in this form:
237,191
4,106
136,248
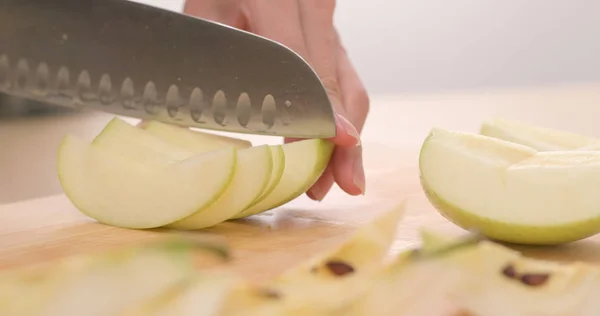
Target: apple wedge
192,140
305,161
119,191
537,137
253,173
511,192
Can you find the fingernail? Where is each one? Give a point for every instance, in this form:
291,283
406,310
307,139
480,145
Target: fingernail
359,174
311,195
318,192
349,128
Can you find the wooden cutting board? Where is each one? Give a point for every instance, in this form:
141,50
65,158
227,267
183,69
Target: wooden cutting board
47,228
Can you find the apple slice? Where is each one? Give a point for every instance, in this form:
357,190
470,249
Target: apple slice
493,275
200,295
327,282
363,252
138,145
305,161
537,137
123,192
124,139
253,173
278,160
198,142
510,192
413,284
192,140
105,283
349,268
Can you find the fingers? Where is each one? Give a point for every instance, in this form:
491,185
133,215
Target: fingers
306,26
325,50
347,161
354,95
348,171
280,22
322,45
222,11
316,17
318,191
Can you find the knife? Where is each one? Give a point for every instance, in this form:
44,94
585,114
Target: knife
135,60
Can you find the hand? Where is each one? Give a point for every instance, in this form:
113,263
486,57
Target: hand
306,26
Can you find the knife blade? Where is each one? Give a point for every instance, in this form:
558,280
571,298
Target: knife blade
136,60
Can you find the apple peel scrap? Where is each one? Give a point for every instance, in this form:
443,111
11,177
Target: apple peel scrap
158,175
446,276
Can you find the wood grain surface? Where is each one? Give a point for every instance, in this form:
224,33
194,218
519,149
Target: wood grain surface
45,228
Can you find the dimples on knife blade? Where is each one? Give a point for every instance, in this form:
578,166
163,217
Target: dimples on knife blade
135,60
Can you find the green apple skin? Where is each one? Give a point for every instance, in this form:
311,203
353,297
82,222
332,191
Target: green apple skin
512,233
324,150
278,159
254,168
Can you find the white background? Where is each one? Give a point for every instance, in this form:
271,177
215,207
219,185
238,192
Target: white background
402,46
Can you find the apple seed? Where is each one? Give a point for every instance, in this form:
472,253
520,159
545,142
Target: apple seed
535,279
509,271
339,268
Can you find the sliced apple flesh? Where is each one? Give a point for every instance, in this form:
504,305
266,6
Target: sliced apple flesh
278,160
537,137
511,192
161,175
200,295
100,284
123,192
305,161
254,167
326,282
192,140
197,142
137,145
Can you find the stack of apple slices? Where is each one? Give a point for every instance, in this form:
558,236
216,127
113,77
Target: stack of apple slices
156,175
515,182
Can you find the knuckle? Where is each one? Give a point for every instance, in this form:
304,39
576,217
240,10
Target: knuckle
359,106
362,100
331,86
